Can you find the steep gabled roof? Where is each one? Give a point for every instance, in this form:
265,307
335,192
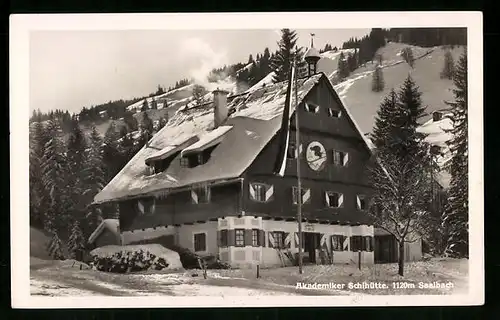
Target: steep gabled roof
113,225
255,116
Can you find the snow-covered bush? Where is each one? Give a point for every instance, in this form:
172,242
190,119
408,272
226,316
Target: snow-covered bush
134,258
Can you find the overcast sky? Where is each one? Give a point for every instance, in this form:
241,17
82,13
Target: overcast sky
73,69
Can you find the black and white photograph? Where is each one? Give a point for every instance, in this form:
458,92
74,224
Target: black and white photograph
311,159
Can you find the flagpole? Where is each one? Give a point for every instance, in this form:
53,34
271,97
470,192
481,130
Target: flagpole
299,187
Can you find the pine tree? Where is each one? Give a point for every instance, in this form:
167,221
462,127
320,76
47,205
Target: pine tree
154,104
351,62
54,247
343,68
378,83
146,127
94,171
54,178
76,242
250,59
400,200
38,195
111,154
407,54
287,52
76,147
448,67
163,122
145,105
130,121
456,217
385,121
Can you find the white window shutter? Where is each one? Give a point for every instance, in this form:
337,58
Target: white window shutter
296,239
346,159
298,151
323,239
153,206
269,192
295,197
194,196
140,206
251,189
327,198
345,245
306,196
288,240
271,239
341,199
358,201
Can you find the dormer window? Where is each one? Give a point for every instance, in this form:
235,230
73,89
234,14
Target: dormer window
312,108
437,116
334,113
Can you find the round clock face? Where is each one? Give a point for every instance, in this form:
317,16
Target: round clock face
316,156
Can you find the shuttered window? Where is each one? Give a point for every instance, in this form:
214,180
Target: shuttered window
368,243
334,113
357,243
200,195
338,242
361,202
223,238
276,239
200,242
255,238
334,199
306,195
340,158
239,237
261,192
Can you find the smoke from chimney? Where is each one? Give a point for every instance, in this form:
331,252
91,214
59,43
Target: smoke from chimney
220,107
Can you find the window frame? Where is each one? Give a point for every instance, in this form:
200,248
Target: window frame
236,237
341,195
294,195
342,154
278,244
207,193
224,238
195,242
264,190
340,242
255,236
292,150
309,105
331,113
361,199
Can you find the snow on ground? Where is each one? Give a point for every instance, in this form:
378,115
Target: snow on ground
61,279
267,80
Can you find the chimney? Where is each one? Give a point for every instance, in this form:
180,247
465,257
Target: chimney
220,107
436,116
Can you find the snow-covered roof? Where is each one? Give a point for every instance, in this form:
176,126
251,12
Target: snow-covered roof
112,225
208,140
259,111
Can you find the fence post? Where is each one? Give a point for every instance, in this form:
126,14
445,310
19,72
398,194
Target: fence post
258,271
359,259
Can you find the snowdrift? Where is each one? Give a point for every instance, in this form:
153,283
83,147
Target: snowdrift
131,258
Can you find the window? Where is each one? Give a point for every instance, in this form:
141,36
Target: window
239,237
340,158
255,237
338,242
310,107
200,195
334,199
200,242
146,206
356,243
334,113
223,238
306,195
276,239
184,162
368,243
361,202
261,192
292,150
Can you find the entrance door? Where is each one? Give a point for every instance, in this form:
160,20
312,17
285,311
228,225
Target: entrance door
311,243
385,249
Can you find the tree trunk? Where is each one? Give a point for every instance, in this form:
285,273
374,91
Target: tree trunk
401,260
